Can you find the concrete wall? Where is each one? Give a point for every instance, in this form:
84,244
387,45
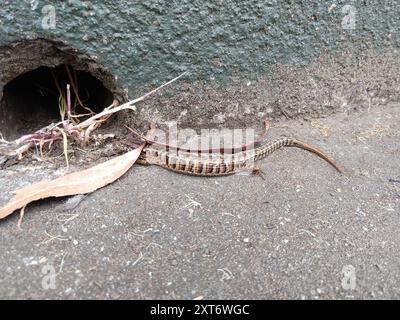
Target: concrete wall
143,42
247,60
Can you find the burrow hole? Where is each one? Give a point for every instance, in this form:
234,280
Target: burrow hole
31,100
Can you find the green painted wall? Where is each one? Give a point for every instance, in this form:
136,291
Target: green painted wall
146,42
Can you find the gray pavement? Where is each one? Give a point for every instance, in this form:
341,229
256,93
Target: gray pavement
305,232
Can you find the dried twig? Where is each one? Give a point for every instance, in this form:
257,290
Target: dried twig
21,216
231,150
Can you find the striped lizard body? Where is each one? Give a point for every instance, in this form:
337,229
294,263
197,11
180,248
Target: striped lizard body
221,164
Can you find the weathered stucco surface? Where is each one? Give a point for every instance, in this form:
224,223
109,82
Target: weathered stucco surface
144,42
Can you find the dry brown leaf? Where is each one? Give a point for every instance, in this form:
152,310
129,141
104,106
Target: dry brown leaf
80,182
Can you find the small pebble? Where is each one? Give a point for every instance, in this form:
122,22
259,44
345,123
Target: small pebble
73,202
2,160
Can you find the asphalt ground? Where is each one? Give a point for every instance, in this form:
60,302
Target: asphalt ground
305,232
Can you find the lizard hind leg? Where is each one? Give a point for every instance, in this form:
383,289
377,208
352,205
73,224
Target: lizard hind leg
257,171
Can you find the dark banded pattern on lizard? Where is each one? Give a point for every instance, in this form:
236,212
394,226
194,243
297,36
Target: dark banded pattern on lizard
215,164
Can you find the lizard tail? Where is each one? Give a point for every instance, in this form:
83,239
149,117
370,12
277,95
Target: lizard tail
319,153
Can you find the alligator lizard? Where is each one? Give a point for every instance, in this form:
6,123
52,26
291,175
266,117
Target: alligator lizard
220,164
